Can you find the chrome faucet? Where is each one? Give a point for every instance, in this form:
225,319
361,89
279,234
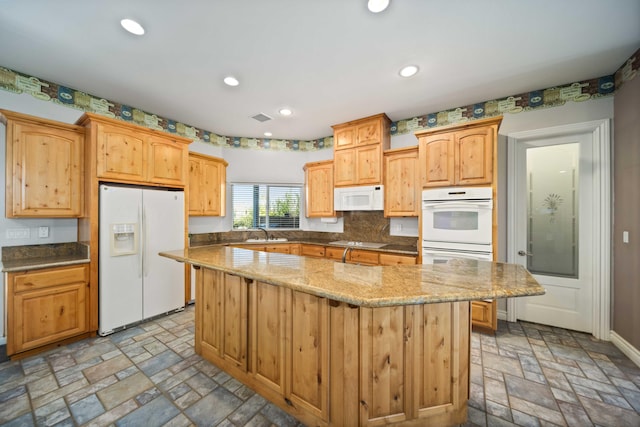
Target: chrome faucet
344,254
266,233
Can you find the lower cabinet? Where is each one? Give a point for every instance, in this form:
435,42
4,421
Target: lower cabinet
331,363
484,314
45,307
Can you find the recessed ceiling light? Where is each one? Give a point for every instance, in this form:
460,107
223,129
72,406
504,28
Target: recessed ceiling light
231,81
409,70
268,134
132,26
376,6
285,112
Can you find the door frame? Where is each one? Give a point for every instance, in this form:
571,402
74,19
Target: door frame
601,224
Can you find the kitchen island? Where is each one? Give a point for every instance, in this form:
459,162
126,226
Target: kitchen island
341,344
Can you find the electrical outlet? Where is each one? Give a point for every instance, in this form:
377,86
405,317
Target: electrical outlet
43,231
18,233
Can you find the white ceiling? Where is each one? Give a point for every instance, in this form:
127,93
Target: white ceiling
330,61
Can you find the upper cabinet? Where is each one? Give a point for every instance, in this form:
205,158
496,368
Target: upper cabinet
401,182
459,155
318,183
134,154
207,185
358,147
44,167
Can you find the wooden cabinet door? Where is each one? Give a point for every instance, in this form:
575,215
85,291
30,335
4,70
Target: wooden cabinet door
344,166
268,331
45,307
308,354
369,165
401,183
345,138
213,188
207,185
44,168
484,314
437,160
235,321
122,154
196,198
49,315
440,362
166,161
209,294
369,132
474,156
319,189
383,383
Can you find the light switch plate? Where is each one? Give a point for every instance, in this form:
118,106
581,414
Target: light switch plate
43,231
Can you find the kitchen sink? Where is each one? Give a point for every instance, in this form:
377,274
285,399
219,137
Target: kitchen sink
272,240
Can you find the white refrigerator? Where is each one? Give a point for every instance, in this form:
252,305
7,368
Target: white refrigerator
135,283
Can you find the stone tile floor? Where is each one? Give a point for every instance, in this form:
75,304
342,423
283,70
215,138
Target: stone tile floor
149,375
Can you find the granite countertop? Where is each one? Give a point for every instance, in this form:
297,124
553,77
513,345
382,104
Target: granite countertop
33,257
369,286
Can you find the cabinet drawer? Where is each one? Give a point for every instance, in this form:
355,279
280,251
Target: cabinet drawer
280,248
334,253
390,259
50,277
312,250
363,257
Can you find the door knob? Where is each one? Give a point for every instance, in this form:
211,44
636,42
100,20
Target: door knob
524,253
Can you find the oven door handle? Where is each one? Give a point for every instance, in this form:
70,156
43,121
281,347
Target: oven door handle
456,254
465,205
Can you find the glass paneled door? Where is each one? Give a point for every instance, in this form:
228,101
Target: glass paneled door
554,231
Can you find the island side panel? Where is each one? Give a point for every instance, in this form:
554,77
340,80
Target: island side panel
309,354
344,364
267,335
441,362
331,363
383,353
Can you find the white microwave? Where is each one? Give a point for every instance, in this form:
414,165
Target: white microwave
362,198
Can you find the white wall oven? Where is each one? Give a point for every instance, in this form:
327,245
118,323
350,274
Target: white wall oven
457,223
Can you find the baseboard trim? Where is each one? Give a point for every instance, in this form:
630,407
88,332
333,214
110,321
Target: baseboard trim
3,340
624,346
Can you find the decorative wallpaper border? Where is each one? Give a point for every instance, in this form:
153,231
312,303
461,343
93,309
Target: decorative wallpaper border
16,82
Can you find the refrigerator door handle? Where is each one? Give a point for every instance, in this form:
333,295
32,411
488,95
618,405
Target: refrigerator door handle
140,243
145,271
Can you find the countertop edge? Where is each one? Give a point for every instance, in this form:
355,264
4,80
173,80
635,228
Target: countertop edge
42,265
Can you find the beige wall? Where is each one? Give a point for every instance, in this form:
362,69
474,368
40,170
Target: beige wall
626,213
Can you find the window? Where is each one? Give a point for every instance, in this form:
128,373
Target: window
266,206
